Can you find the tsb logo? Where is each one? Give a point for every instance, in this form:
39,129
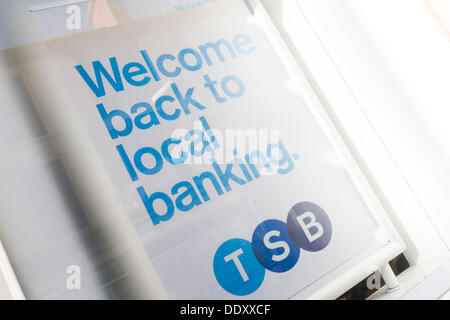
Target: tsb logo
240,265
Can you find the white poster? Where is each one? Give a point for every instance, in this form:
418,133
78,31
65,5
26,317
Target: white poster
226,174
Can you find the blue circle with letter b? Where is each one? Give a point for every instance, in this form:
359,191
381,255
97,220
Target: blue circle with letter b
236,268
309,226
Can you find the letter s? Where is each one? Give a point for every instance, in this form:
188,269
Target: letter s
273,246
276,245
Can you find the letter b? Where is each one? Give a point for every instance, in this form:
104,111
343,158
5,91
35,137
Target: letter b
149,203
309,226
108,120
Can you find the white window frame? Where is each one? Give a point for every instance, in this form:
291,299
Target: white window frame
426,250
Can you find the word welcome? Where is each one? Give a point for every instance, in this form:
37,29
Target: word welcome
167,65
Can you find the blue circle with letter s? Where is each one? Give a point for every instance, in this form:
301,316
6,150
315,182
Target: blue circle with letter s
236,268
274,247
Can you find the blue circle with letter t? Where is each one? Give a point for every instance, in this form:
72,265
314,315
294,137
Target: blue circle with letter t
236,268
